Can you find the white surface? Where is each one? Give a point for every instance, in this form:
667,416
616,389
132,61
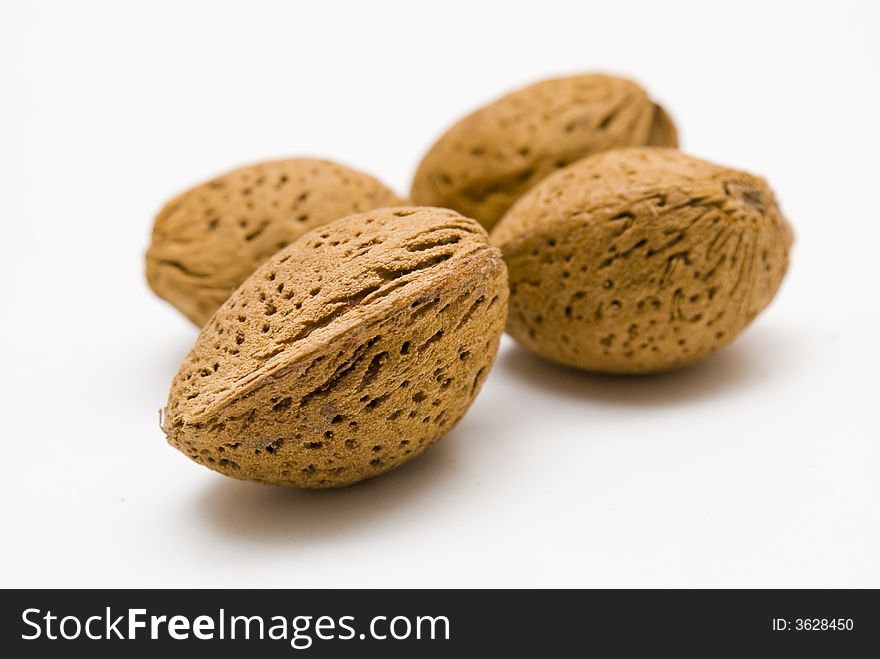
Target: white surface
758,467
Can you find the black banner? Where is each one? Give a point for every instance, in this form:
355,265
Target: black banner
319,623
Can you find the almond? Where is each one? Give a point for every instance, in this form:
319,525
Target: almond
345,354
641,260
209,239
487,160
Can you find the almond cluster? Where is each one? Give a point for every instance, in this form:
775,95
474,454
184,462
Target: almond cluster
343,331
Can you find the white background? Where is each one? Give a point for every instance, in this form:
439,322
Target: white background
758,467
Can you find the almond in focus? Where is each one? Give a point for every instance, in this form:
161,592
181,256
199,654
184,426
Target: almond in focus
346,354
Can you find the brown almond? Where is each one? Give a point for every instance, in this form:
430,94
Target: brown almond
641,260
346,354
487,160
209,239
